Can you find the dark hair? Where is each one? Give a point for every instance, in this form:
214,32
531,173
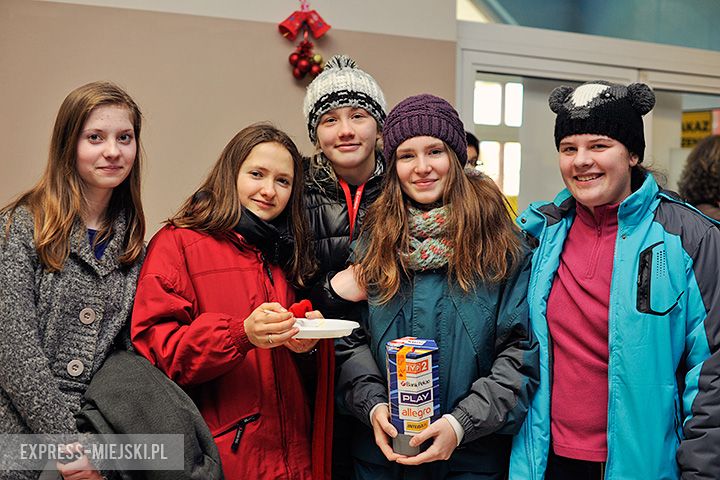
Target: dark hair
215,207
700,179
472,141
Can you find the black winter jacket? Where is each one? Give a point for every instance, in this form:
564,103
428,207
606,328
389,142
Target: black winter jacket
328,212
330,224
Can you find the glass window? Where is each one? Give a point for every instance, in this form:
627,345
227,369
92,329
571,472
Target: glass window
513,104
511,169
488,103
490,159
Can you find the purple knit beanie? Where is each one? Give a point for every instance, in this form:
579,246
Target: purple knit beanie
424,115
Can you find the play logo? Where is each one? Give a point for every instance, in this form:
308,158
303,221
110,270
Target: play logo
410,398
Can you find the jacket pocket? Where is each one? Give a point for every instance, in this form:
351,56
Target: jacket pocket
656,294
678,419
236,430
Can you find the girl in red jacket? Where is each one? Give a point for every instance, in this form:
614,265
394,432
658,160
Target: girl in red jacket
210,310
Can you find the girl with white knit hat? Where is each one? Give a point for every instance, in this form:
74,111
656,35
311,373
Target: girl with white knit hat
344,110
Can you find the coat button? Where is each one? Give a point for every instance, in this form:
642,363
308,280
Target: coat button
87,316
75,368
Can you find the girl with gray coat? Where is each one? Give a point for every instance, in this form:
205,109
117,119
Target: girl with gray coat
70,253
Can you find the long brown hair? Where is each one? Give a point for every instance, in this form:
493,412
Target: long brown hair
215,207
485,240
58,198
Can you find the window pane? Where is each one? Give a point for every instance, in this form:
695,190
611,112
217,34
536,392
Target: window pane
511,169
513,104
490,158
488,103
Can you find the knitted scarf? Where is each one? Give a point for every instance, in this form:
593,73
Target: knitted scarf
429,246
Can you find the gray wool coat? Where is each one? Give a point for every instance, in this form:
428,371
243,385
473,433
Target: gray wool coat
56,329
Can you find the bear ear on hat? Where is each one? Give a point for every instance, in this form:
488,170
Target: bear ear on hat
641,97
558,96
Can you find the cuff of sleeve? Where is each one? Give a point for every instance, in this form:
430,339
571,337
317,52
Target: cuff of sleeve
365,409
459,432
237,334
333,294
372,410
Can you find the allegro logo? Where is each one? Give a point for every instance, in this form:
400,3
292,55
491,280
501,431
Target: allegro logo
416,413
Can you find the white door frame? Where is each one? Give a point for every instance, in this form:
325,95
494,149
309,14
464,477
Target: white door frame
553,54
548,54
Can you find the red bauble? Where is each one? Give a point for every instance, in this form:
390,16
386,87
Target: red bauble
297,73
304,65
293,59
315,70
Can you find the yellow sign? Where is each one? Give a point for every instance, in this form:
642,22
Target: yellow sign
416,427
696,126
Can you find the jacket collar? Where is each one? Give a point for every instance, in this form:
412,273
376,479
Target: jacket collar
644,199
273,239
540,215
80,245
544,214
320,177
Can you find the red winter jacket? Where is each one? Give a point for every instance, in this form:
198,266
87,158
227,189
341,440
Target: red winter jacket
193,295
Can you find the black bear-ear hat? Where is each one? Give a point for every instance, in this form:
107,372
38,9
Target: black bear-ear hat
603,108
642,97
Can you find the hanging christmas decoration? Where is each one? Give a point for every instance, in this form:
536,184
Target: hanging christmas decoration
303,60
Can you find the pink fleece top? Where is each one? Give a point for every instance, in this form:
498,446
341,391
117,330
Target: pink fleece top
577,315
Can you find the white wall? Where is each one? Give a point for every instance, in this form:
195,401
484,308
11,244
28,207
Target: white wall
429,19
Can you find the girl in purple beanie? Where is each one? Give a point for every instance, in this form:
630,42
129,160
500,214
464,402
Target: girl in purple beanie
439,258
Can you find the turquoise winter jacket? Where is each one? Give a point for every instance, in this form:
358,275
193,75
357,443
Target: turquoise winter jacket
664,332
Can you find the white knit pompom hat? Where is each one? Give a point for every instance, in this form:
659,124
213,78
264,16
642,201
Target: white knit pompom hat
342,84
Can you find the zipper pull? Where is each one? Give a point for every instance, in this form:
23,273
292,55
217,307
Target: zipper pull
270,275
241,429
267,269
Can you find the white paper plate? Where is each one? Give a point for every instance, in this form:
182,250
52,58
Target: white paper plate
324,327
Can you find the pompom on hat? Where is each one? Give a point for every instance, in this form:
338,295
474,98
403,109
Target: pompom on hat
424,115
342,84
603,108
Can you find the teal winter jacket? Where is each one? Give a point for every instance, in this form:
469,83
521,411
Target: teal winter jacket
488,363
663,334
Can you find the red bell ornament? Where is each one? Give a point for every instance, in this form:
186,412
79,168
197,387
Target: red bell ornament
309,22
318,26
290,27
